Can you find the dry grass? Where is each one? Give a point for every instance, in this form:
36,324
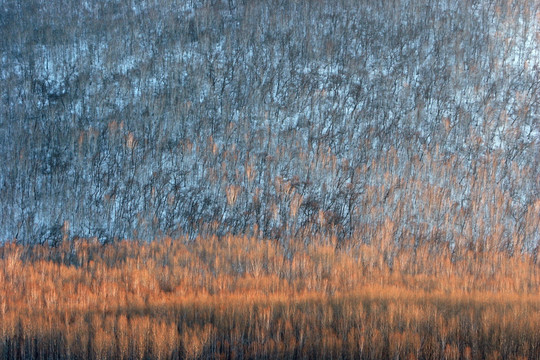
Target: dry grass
238,297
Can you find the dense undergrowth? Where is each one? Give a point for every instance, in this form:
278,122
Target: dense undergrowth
238,297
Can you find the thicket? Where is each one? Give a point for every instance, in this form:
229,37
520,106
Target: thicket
243,297
273,118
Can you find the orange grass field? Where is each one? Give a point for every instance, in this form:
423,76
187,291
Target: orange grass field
243,298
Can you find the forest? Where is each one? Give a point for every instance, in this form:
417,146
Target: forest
242,179
247,298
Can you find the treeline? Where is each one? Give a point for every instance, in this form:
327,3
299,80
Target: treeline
274,118
243,297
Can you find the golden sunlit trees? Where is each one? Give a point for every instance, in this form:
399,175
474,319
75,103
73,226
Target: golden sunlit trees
240,296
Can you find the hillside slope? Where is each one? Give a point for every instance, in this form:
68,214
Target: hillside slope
409,120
